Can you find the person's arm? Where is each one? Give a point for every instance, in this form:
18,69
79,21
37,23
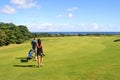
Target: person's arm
37,45
43,51
42,48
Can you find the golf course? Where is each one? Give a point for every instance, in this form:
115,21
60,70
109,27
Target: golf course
67,58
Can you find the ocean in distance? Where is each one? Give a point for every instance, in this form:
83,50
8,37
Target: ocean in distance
83,33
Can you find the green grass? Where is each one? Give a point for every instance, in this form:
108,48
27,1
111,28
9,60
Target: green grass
67,58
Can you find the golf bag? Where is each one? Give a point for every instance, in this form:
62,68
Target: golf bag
30,54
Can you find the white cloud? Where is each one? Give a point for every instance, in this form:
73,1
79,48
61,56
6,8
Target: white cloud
95,26
19,2
46,24
70,15
48,27
24,3
82,25
69,27
72,9
8,10
41,27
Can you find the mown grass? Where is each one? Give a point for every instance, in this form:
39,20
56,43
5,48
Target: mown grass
67,58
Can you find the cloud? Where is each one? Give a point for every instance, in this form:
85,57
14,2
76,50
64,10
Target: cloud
72,9
69,27
95,26
24,3
8,10
11,8
19,2
41,27
70,15
48,27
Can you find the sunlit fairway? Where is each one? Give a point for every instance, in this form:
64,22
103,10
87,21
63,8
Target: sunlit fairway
67,58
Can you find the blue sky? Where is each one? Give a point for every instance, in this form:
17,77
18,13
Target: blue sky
62,15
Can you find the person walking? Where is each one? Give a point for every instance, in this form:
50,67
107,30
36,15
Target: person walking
34,47
40,53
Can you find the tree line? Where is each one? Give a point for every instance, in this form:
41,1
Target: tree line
45,34
12,34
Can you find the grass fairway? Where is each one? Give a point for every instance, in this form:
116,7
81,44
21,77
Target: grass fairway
67,58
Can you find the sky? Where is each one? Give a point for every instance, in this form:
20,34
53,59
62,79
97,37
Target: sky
62,15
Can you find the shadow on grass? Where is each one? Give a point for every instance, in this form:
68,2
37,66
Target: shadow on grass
24,65
24,59
116,40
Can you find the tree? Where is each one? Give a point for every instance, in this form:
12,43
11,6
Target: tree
25,32
10,33
2,37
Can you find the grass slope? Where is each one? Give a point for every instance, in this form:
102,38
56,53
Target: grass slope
67,58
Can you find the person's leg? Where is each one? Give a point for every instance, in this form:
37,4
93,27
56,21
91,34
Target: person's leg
38,60
35,57
41,60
